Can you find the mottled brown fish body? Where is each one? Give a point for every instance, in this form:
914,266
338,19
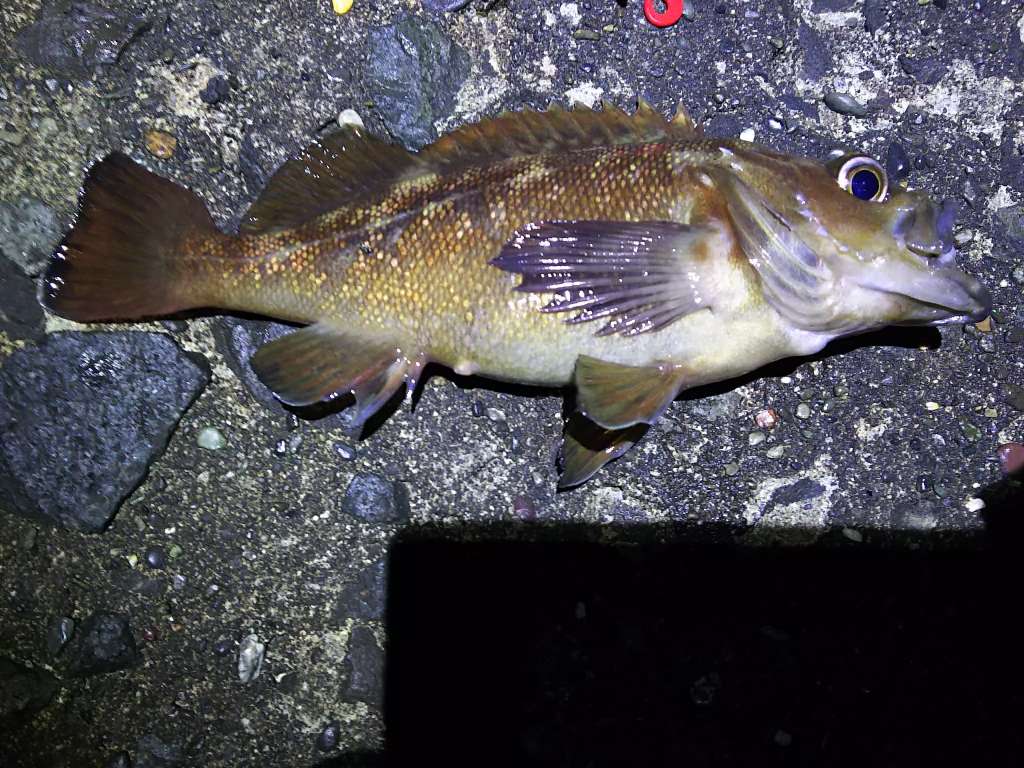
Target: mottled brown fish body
629,255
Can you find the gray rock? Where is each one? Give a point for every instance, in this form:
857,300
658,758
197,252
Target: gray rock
414,74
875,14
29,232
364,667
110,399
58,631
376,500
23,691
71,37
21,317
845,104
364,598
151,752
103,644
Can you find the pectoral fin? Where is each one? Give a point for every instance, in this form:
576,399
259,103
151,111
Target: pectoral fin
320,363
639,276
619,396
586,448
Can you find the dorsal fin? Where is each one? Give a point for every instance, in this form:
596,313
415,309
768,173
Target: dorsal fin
326,175
339,169
517,134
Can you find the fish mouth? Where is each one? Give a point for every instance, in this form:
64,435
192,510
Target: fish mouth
935,295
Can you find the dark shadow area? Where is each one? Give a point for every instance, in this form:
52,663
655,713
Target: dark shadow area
564,652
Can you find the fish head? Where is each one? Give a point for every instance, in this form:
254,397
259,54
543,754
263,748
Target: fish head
862,253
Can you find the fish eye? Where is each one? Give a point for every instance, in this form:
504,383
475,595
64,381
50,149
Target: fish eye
863,178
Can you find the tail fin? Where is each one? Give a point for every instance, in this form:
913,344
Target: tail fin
121,259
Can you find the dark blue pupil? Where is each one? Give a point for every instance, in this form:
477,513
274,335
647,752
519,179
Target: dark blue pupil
864,184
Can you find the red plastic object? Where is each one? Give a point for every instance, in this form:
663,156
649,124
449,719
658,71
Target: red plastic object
673,12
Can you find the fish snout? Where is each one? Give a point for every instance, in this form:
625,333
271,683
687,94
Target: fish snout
927,229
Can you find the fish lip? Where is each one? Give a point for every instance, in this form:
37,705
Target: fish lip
938,288
970,302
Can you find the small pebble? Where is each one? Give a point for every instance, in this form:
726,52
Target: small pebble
174,552
523,508
496,415
223,646
975,504
58,633
932,406
346,451
775,452
853,535
1018,275
844,104
250,658
767,418
803,411
1011,457
783,739
756,438
160,144
328,738
178,582
216,90
341,7
155,558
747,134
732,469
350,117
211,438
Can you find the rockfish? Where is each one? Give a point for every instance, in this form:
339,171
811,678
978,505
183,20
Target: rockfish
629,255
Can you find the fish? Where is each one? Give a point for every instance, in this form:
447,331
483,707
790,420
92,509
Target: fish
628,255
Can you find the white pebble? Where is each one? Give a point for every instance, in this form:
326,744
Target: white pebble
748,134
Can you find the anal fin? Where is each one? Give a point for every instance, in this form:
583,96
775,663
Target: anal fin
620,396
586,447
320,363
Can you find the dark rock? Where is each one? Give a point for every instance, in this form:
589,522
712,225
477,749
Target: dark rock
1013,396
328,738
71,37
364,667
23,691
845,104
21,317
119,759
110,400
817,60
238,340
156,558
223,646
364,597
897,163
875,14
29,231
375,499
103,644
216,90
802,490
151,752
444,6
414,74
928,70
58,632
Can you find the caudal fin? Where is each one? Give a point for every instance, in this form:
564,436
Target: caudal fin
122,259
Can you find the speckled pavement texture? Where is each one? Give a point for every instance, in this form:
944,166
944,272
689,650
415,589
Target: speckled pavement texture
123,633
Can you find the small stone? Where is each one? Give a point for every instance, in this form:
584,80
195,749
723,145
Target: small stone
174,552
586,34
975,504
783,739
160,144
853,535
1011,457
104,644
897,162
29,230
216,90
775,452
704,689
767,418
345,451
1018,275
376,500
178,582
732,469
803,411
932,406
756,438
523,508
845,104
349,117
156,558
497,415
211,438
328,738
1013,396
250,658
58,632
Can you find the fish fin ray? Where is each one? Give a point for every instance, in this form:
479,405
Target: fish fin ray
619,396
586,447
319,362
555,130
330,173
634,273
